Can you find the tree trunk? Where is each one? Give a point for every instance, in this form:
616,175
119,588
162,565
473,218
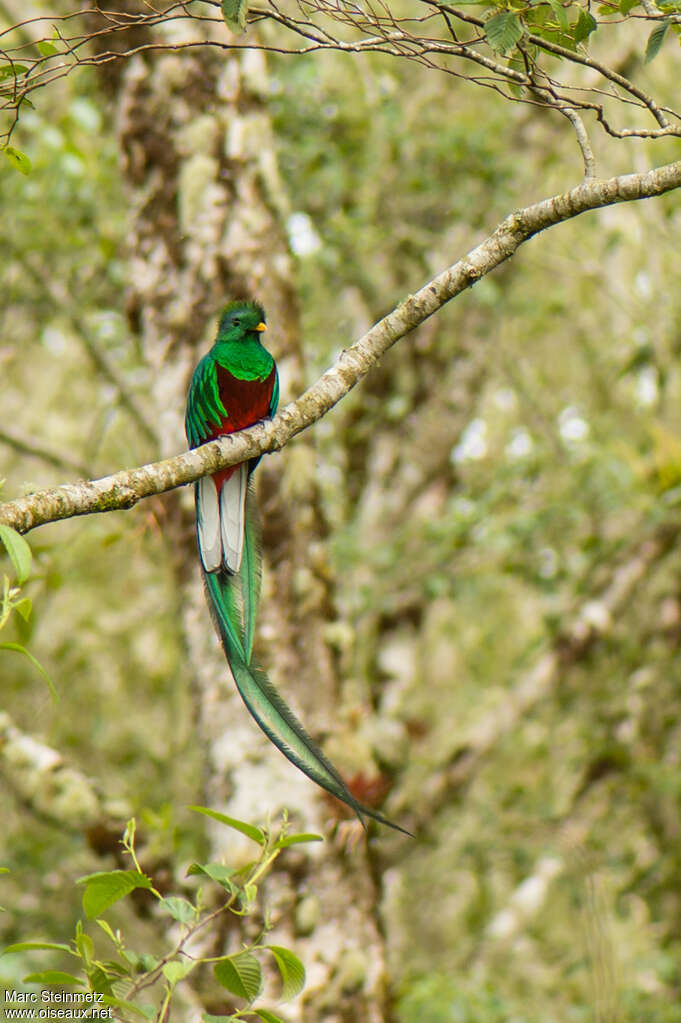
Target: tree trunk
208,224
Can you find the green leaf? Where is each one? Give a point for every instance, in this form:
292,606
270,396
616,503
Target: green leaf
249,830
21,163
216,872
177,970
107,930
18,550
241,974
84,945
516,63
128,838
46,48
53,977
291,969
561,14
207,1018
585,25
111,966
284,843
19,649
266,1016
24,607
628,5
180,909
106,887
12,70
655,40
101,980
250,893
234,12
145,1011
33,946
503,31
146,962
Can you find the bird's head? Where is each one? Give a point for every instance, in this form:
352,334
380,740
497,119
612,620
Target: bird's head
240,319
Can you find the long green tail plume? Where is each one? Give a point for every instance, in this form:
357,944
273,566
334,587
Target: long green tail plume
261,698
251,573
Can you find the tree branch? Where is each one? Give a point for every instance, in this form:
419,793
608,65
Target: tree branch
124,489
126,397
56,792
99,358
575,57
582,141
29,446
592,621
369,31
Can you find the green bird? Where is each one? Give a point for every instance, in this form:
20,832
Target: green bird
234,386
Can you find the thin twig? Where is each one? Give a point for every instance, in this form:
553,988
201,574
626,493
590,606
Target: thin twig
582,141
36,449
108,371
126,396
375,29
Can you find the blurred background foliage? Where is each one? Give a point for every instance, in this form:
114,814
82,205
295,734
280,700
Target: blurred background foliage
484,484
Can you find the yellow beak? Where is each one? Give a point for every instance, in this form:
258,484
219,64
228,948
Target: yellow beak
261,326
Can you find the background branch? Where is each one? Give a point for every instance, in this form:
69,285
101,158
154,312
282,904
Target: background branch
54,790
351,30
35,449
594,620
124,489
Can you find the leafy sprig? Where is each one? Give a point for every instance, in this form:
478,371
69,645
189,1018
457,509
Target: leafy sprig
11,598
141,986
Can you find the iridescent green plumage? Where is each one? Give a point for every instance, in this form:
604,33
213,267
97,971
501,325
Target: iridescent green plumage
234,386
239,352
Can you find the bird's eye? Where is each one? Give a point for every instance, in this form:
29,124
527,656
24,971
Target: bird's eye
236,321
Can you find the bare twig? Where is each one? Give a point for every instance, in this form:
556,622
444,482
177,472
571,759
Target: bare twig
59,295
127,398
36,449
349,28
542,86
582,141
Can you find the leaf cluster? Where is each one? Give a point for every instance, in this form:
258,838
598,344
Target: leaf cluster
139,985
11,599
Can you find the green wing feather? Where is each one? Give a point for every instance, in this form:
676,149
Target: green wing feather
204,406
274,401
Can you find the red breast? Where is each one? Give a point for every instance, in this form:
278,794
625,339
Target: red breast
246,402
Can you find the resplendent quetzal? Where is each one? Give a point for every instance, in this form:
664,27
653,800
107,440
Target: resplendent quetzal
234,386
